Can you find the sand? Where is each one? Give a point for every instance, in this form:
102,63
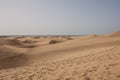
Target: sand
92,57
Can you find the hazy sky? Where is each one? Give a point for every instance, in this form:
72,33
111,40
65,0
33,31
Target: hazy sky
58,17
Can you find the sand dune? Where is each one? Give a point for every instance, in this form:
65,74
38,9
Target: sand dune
115,34
90,57
9,58
10,42
59,40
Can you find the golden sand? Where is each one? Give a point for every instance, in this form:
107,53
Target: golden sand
90,57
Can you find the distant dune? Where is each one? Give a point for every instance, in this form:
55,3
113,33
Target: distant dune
115,34
92,57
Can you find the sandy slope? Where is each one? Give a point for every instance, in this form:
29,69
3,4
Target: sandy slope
90,57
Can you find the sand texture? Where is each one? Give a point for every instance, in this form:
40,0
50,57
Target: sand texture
92,57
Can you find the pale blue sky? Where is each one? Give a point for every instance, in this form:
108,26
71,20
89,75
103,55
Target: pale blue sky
59,17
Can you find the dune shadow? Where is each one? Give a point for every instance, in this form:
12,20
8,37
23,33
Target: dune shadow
14,60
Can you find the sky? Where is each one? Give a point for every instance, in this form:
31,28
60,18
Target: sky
59,17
